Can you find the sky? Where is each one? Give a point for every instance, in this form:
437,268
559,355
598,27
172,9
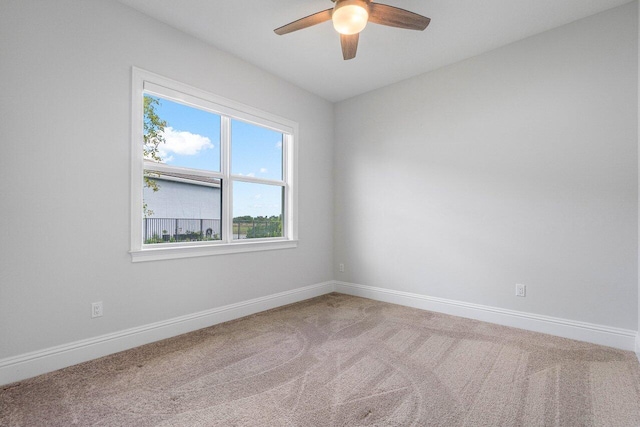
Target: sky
193,141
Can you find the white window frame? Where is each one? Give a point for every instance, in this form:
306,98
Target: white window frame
147,82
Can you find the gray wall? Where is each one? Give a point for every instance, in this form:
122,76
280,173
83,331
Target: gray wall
515,166
182,200
65,114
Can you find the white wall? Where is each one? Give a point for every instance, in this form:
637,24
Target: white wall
65,85
516,166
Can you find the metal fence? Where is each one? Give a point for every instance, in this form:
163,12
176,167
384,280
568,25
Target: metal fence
158,230
257,228
163,230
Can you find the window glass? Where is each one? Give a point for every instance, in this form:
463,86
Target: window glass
255,151
257,210
180,205
190,137
183,208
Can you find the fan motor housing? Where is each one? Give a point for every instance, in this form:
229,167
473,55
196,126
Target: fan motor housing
350,16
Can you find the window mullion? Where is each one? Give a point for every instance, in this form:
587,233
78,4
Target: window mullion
227,187
286,211
255,180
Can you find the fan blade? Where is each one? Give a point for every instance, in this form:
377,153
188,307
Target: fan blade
308,21
349,45
396,17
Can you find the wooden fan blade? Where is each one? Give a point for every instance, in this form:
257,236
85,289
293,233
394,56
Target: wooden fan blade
307,21
349,45
396,17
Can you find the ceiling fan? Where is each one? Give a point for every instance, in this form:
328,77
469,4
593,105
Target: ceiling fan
351,16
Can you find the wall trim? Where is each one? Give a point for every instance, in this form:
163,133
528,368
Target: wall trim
624,339
28,365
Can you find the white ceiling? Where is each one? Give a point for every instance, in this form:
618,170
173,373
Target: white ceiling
312,58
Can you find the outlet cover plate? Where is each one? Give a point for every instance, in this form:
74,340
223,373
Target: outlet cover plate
96,309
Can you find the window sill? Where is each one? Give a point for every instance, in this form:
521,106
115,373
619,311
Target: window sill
176,252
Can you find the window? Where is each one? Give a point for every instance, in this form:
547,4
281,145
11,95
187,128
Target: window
209,175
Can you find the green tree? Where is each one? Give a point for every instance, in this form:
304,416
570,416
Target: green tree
153,137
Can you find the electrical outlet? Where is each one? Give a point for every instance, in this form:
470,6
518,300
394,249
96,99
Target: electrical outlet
96,309
521,290
341,268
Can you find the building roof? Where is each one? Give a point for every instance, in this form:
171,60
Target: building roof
176,176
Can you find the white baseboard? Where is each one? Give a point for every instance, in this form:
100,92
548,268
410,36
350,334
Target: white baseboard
624,339
39,362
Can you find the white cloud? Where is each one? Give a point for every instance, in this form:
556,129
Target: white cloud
279,144
263,170
249,174
183,143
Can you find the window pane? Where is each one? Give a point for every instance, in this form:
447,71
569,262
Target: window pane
180,208
257,210
255,151
179,135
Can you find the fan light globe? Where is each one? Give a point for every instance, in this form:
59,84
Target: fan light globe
350,16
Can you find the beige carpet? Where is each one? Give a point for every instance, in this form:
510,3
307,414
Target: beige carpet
338,360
